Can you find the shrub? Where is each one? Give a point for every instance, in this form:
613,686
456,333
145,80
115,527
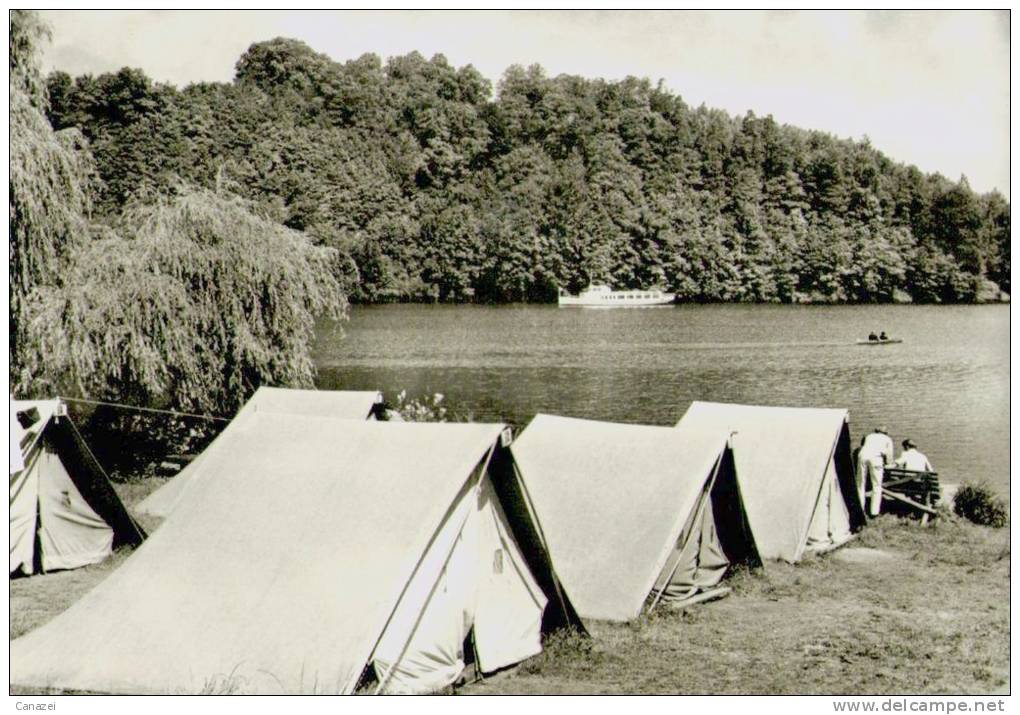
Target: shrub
425,409
978,503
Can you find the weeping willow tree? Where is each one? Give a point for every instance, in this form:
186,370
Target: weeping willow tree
187,301
27,32
50,180
192,305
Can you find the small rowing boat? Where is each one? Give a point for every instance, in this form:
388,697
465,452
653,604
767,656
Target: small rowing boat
887,341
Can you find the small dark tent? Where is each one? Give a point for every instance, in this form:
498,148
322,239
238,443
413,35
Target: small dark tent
64,513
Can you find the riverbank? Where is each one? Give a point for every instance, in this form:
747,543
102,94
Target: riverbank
902,609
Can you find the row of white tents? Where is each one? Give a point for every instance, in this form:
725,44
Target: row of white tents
311,548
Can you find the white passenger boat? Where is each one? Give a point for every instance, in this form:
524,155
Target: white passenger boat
601,296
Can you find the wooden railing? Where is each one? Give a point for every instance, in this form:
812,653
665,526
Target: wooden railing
920,491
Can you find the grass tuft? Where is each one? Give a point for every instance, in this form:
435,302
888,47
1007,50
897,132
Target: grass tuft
568,645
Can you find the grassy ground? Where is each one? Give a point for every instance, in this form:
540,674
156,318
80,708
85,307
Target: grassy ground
35,600
902,609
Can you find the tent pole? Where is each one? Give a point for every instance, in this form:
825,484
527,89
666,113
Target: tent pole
478,664
474,642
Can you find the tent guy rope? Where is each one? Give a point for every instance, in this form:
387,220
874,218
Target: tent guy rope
145,409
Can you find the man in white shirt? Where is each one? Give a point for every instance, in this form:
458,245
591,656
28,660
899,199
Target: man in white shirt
911,458
876,452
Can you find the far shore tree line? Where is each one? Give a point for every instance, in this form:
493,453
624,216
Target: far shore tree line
173,246
432,187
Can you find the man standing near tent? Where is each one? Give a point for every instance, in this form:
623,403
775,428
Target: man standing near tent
876,452
912,458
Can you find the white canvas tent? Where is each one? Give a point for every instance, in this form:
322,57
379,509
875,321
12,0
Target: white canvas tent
632,510
796,474
64,513
321,548
311,403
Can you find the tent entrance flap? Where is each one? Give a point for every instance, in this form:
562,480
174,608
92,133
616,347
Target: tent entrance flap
698,563
420,649
24,510
830,523
71,533
510,602
483,589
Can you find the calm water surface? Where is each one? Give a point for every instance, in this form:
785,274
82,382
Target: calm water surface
946,386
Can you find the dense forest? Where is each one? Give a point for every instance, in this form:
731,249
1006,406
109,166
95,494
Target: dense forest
432,185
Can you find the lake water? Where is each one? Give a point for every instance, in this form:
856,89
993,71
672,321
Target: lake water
946,386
